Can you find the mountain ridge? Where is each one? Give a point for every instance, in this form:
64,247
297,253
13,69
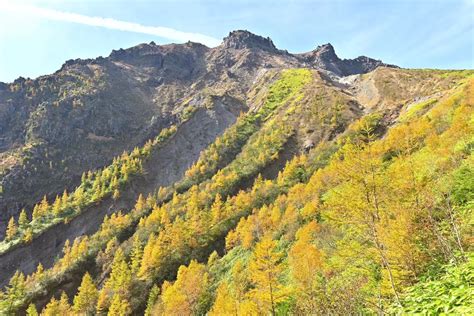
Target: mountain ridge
238,39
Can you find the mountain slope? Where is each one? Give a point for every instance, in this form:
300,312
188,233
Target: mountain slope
107,105
349,168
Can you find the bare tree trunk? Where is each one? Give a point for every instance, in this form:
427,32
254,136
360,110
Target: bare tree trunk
448,254
271,294
385,262
455,227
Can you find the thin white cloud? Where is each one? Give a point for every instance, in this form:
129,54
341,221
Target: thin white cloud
108,23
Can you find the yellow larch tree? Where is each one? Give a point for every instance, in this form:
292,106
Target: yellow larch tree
265,273
305,262
86,297
119,306
182,297
12,229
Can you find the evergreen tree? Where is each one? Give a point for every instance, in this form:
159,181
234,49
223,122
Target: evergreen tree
306,262
120,276
116,194
67,257
216,209
39,271
152,298
86,297
184,295
36,213
118,306
225,303
57,207
265,271
64,306
79,197
140,204
16,289
12,229
32,311
52,308
136,255
102,302
43,208
28,236
114,184
23,219
64,200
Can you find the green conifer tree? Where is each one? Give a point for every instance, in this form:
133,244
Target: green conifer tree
86,298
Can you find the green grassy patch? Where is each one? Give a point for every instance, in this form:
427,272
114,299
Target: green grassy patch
416,109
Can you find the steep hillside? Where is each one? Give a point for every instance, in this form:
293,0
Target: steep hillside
260,182
56,127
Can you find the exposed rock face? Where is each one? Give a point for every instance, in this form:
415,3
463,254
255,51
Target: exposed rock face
244,39
324,57
55,127
325,54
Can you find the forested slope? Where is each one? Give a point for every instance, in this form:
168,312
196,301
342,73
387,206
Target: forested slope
328,194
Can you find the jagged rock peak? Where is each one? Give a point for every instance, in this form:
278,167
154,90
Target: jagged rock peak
137,54
326,51
241,39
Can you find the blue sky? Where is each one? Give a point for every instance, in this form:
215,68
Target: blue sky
36,37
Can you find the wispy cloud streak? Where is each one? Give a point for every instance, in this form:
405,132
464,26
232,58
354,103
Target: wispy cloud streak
108,23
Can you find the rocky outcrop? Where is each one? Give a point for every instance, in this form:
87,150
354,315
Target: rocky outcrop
242,39
324,57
